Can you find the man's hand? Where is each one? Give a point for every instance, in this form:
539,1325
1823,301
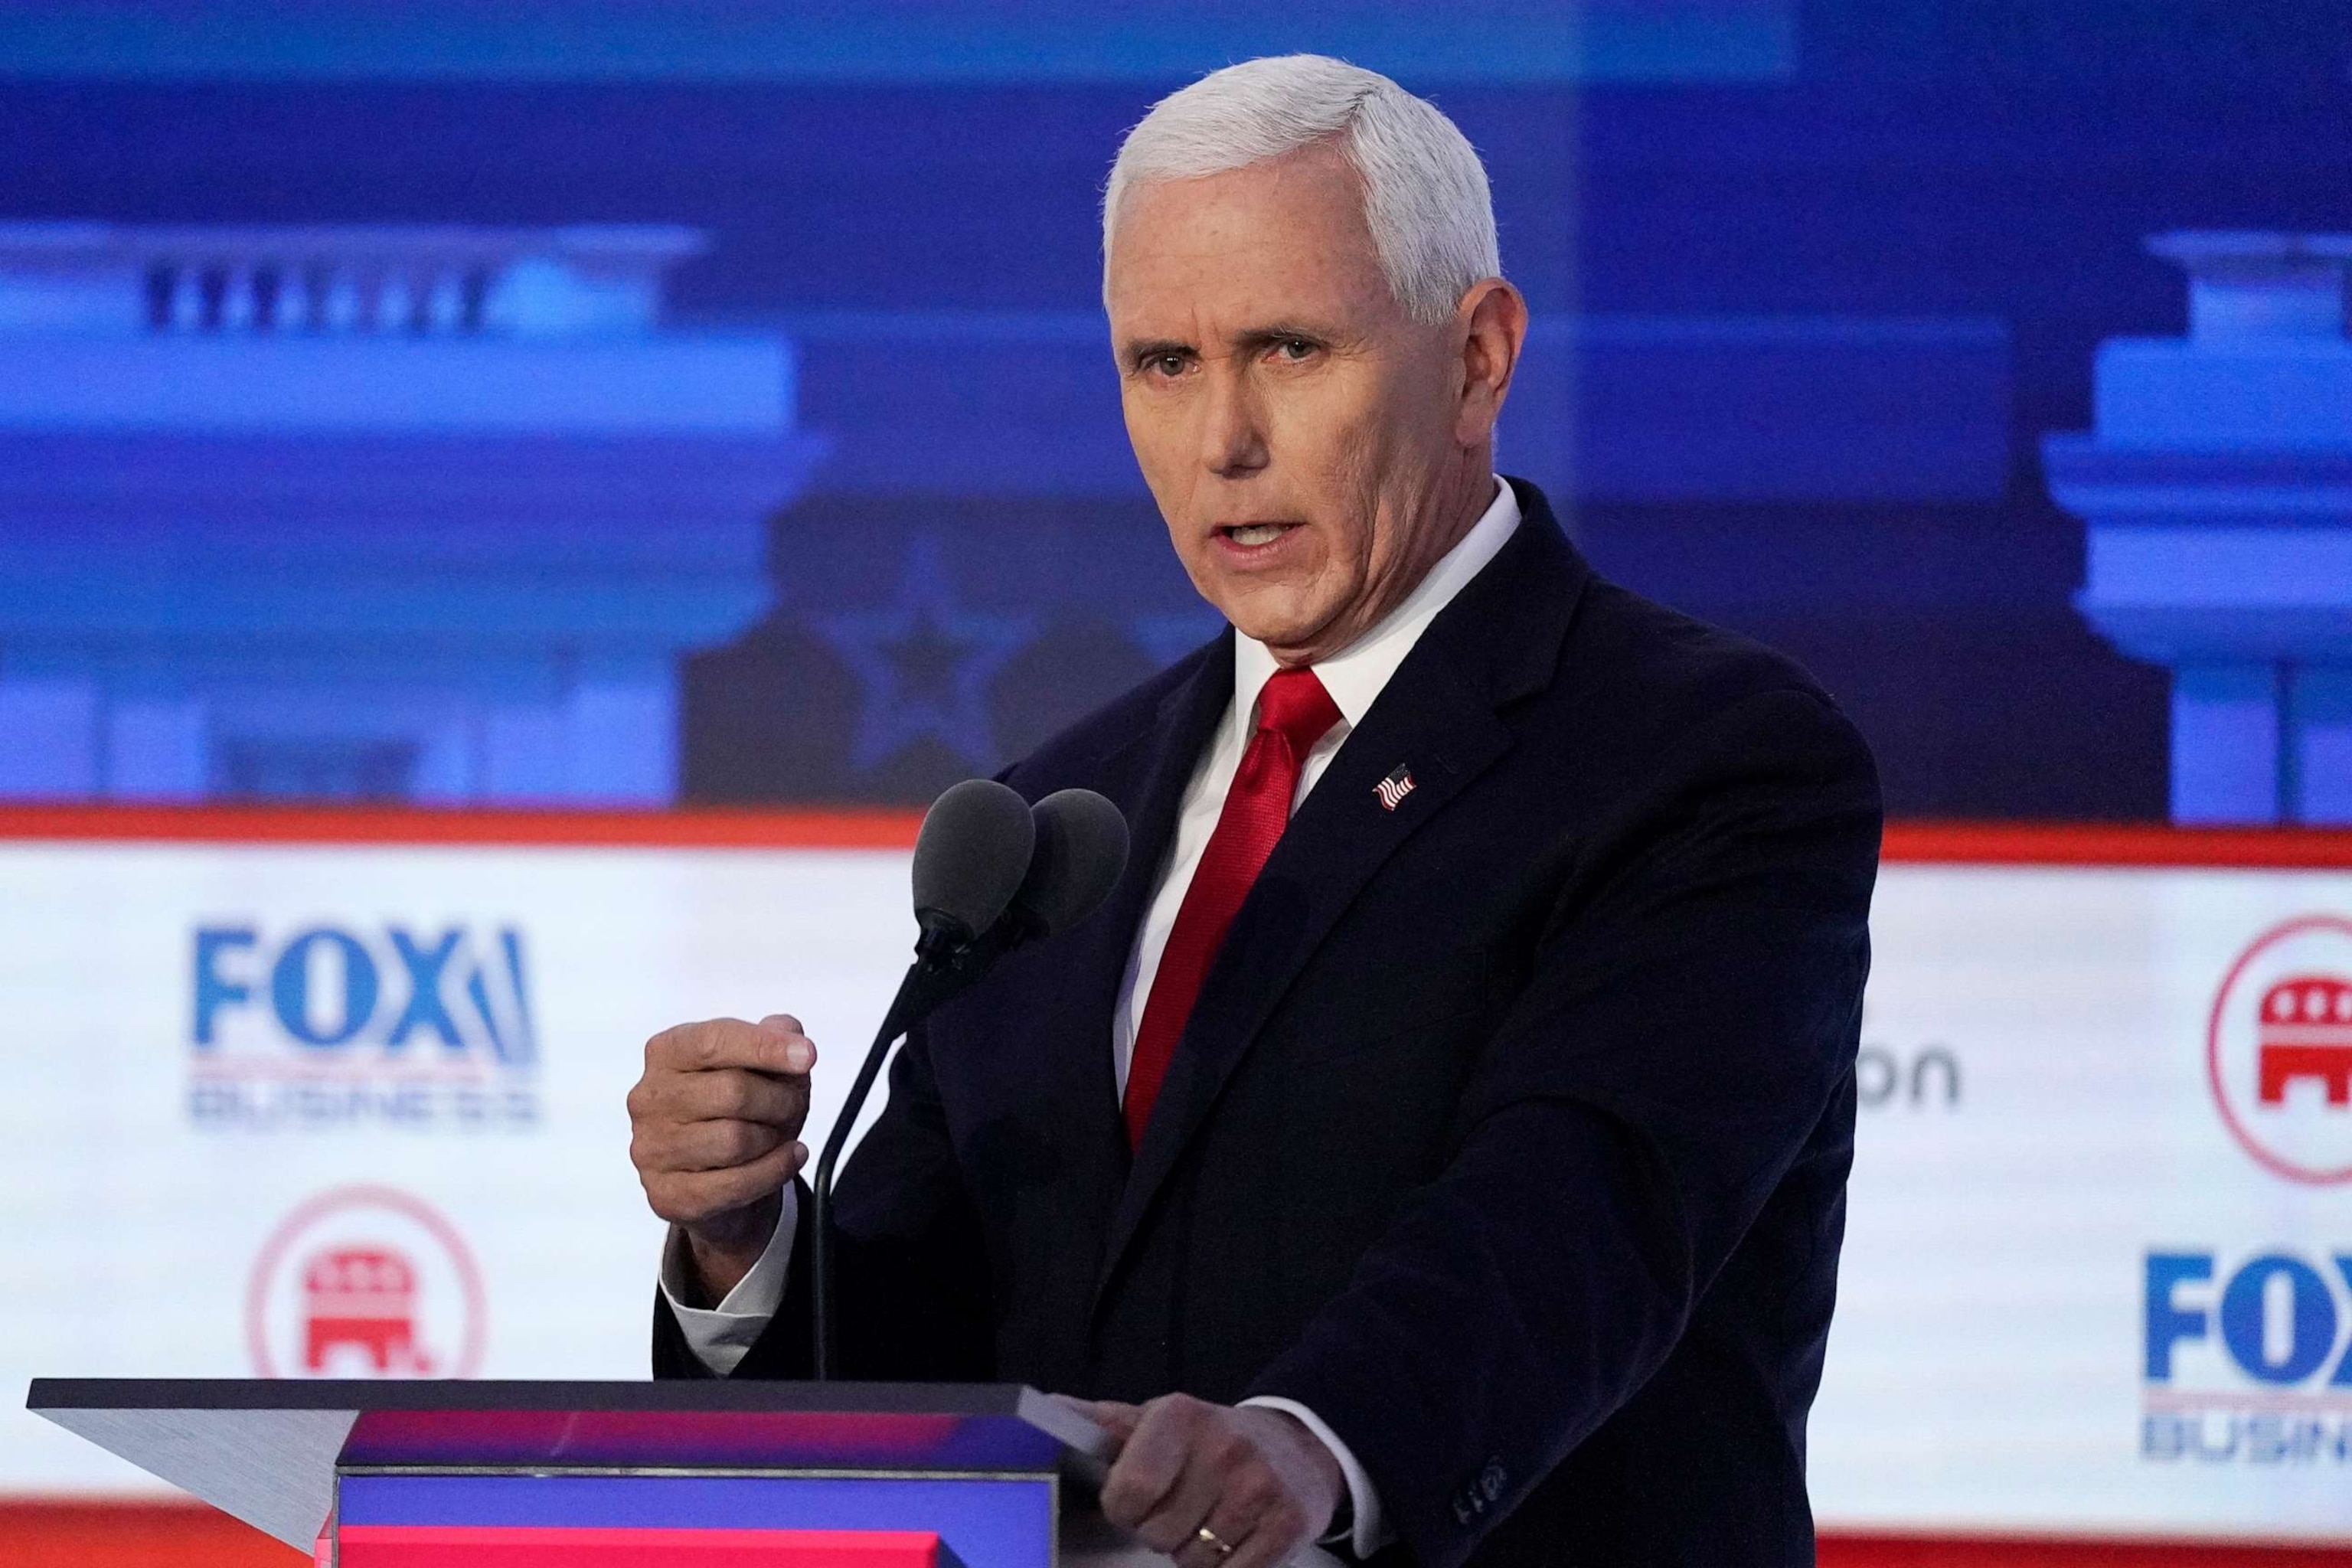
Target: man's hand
1257,1481
715,1135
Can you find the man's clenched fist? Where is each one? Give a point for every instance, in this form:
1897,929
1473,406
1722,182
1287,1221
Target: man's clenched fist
715,1135
1217,1485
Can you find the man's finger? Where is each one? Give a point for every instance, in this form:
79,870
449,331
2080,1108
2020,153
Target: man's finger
1160,1486
695,1198
718,1043
1177,1517
794,1052
1150,1462
689,1197
711,1145
733,1094
1257,1518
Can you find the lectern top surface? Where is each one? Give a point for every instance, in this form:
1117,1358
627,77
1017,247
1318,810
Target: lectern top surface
449,1394
267,1450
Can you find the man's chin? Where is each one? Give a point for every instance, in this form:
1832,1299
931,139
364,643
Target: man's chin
1279,632
1279,615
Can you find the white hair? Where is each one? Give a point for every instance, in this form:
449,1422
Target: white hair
1426,196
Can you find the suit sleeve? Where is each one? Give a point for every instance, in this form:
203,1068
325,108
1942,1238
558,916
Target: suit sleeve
913,1279
1681,1035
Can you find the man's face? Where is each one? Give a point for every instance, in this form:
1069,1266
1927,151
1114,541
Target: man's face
1298,430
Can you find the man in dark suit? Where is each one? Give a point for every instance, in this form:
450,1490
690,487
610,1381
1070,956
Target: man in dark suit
1438,1143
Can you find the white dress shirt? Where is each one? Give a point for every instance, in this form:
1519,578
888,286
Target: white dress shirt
1354,676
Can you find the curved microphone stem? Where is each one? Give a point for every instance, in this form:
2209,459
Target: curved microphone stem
893,1024
942,970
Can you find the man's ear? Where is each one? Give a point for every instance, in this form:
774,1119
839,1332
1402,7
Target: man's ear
1493,321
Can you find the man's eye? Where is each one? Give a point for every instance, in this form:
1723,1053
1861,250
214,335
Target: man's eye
1168,365
1294,348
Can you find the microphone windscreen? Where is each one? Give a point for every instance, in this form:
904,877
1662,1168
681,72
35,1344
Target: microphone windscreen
971,854
1081,849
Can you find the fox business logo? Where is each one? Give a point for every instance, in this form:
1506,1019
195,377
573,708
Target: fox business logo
329,1027
2248,1365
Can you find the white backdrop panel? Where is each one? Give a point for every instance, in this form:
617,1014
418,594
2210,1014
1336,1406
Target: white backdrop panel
279,1107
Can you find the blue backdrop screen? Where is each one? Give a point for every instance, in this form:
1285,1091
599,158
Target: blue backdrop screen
622,403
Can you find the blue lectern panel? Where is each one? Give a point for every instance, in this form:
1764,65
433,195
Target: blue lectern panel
987,1522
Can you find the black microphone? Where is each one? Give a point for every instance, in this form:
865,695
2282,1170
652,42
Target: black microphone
989,875
969,858
1081,849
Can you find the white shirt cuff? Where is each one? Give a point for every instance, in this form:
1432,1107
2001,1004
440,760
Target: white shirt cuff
1369,1531
719,1336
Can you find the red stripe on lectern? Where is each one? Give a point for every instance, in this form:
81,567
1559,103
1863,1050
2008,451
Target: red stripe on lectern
1840,1551
537,1546
49,1533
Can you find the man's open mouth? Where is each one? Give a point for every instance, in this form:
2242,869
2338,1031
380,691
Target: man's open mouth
1251,534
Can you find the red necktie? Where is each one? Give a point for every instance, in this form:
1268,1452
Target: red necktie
1293,712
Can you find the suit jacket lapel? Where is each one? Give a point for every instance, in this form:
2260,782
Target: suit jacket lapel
1147,780
1499,640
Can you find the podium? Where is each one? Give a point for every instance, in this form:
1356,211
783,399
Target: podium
423,1474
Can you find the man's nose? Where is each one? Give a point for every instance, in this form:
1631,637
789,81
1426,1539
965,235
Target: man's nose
1233,430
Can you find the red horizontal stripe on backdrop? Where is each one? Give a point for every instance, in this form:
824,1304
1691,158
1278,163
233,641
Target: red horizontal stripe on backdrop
1909,843
686,829
2118,844
60,1533
483,1546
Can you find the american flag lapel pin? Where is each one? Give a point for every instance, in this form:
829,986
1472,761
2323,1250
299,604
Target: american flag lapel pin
1395,787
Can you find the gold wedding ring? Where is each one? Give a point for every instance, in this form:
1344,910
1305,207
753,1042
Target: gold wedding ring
1210,1539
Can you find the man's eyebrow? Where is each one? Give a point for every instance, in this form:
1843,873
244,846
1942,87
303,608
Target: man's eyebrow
1280,333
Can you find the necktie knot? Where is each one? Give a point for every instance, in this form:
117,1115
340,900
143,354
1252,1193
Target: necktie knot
1295,706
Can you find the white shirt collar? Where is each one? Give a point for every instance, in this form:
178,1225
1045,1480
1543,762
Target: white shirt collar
1357,673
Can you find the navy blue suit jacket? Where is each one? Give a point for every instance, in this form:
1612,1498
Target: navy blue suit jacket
1509,1133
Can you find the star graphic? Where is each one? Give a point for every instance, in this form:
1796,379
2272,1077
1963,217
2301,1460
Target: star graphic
923,664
